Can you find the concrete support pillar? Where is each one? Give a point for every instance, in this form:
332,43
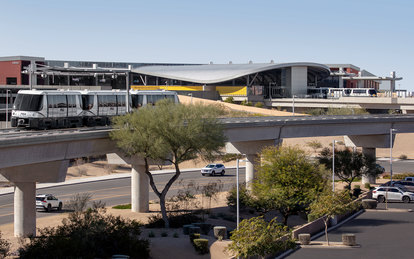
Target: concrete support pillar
24,209
139,189
250,170
369,151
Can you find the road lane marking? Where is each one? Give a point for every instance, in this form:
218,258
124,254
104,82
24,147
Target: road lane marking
4,215
6,205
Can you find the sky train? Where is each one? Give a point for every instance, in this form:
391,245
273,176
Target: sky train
341,92
44,109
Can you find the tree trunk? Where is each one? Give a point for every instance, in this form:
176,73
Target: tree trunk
285,218
326,229
164,211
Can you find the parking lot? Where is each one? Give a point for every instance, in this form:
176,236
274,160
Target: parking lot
380,234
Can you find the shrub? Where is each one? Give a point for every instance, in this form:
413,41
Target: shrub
151,234
176,221
229,100
256,237
98,205
110,169
89,234
403,157
246,103
230,157
4,247
357,191
210,191
201,245
244,197
164,234
259,105
175,235
194,236
79,202
367,186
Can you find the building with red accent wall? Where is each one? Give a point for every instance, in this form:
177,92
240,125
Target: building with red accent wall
11,69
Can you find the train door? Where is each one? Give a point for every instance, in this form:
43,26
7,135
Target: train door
120,100
72,107
57,106
137,101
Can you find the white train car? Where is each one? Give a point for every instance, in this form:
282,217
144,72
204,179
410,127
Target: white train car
41,109
47,109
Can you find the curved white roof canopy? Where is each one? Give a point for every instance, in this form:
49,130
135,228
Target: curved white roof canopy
215,73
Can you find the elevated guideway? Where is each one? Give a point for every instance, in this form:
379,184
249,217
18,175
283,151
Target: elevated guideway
406,105
30,157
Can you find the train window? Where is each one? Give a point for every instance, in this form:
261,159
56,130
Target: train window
153,99
120,100
171,97
56,101
372,92
111,100
102,102
87,102
61,101
28,102
359,91
137,101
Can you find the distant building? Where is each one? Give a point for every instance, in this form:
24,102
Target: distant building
252,81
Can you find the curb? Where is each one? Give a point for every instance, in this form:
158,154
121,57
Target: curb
9,190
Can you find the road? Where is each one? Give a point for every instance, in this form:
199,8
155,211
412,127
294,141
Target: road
118,191
400,166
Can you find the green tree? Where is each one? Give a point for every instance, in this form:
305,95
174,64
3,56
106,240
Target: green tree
329,204
349,165
287,181
172,133
256,237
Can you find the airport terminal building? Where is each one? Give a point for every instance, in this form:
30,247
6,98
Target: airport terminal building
250,81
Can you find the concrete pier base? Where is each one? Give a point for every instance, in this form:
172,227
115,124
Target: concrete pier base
139,189
24,209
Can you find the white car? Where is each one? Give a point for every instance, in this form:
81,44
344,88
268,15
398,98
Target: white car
47,202
213,169
392,194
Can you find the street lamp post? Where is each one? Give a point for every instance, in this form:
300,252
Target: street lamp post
237,191
391,130
386,193
127,86
333,165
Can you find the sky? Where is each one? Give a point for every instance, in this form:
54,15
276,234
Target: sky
375,35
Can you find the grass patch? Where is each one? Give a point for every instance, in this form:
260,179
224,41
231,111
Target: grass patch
122,207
